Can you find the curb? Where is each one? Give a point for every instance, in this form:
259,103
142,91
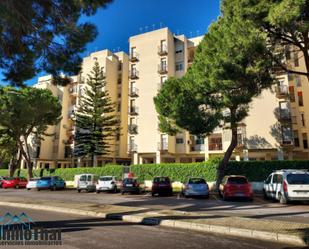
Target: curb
192,226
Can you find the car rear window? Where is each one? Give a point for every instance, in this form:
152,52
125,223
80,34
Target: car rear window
298,178
9,178
129,180
106,178
46,178
237,180
197,181
161,180
34,179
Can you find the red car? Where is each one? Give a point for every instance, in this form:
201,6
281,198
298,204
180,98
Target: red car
236,186
161,185
14,182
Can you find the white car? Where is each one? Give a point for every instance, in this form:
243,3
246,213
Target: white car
107,183
32,183
287,185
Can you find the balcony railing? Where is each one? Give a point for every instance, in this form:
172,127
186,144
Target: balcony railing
133,74
162,68
198,147
132,147
133,92
162,50
73,90
134,57
284,115
133,110
215,146
163,146
132,128
282,91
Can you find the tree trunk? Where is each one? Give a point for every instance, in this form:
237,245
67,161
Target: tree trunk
12,167
223,164
29,169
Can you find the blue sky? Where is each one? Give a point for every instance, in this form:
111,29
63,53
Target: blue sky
124,18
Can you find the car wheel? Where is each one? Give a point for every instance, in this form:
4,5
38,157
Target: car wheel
38,189
282,199
98,191
17,186
207,197
54,188
122,192
224,197
79,190
115,190
152,194
28,188
265,195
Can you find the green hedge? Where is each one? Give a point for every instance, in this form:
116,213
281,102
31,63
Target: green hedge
254,170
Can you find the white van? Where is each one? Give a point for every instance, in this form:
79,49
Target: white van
287,185
86,182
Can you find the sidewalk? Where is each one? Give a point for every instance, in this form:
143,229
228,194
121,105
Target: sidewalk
280,231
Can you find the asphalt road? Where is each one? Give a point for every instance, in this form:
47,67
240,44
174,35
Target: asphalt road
92,233
259,208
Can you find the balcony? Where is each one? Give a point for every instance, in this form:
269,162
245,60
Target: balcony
134,57
133,110
73,90
133,74
284,116
133,92
282,92
163,146
162,68
162,50
132,129
215,146
132,147
198,148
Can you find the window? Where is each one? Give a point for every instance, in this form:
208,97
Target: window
305,141
179,49
302,117
292,93
119,106
300,98
296,138
163,79
179,140
179,66
268,179
163,64
297,81
119,95
296,60
277,178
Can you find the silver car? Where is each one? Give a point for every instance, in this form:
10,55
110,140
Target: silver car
196,187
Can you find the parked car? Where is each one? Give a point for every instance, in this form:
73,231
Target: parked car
32,183
161,185
107,183
196,187
235,186
1,179
287,185
130,185
50,182
14,182
86,182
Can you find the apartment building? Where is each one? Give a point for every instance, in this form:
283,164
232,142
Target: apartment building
275,128
57,150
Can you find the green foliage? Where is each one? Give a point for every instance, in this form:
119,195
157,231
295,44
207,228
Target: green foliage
44,35
26,113
96,124
285,22
254,170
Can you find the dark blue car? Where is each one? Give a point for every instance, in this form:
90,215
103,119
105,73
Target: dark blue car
50,182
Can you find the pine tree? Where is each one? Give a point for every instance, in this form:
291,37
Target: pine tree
96,125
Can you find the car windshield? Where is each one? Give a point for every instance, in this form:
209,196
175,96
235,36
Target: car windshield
197,181
161,180
46,178
298,178
104,178
237,180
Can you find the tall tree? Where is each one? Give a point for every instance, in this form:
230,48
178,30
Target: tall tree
285,22
44,35
231,67
96,122
26,113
